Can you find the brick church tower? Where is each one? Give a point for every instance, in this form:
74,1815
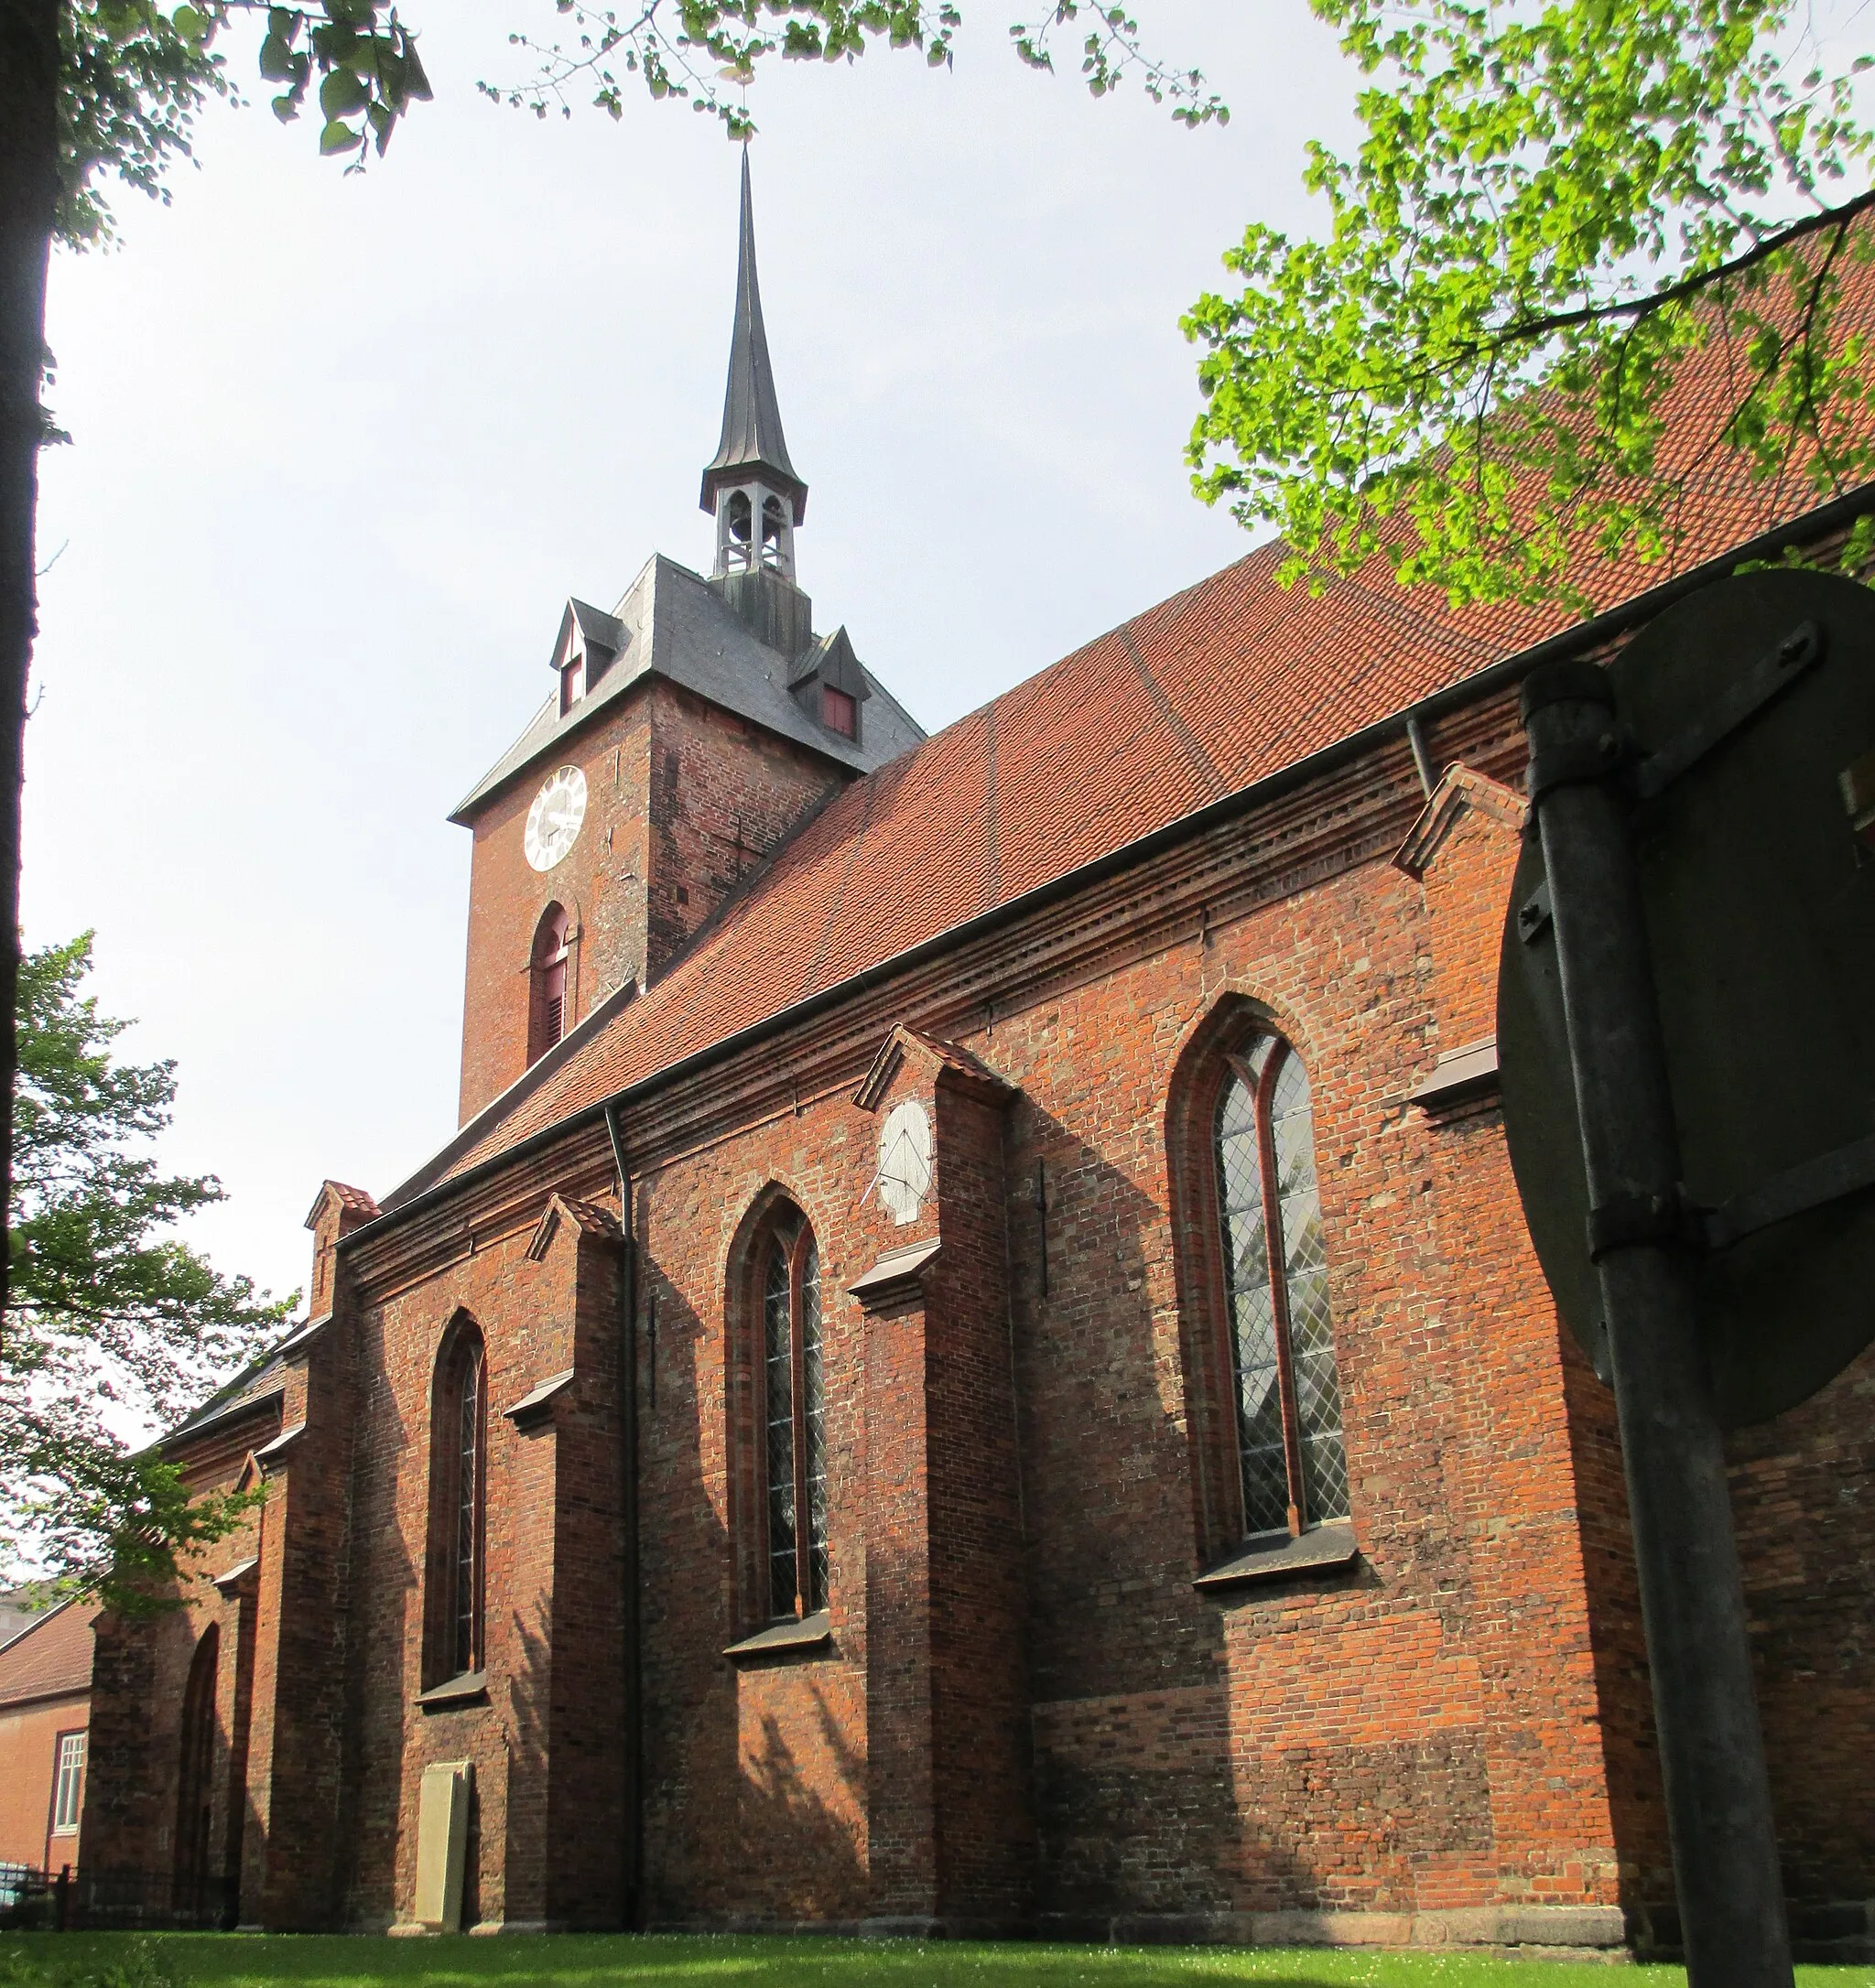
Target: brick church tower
688,734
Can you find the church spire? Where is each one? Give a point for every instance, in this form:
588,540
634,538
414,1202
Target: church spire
749,485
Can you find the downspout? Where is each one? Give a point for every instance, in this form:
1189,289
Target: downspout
1422,759
634,1914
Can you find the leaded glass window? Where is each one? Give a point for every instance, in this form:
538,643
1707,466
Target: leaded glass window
459,1479
795,1425
467,1583
1290,1450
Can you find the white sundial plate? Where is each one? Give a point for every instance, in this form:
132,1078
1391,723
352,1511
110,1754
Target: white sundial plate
905,1160
553,822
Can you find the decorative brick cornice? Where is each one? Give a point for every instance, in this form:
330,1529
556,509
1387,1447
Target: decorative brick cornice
947,1059
353,1205
585,1216
1461,788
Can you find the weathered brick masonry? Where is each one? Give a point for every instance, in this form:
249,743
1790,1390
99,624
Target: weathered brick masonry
1059,1682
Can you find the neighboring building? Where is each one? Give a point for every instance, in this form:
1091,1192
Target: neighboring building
830,1441
18,1608
45,1717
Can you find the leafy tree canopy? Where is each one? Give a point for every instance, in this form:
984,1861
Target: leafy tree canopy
1553,201
110,1322
1569,196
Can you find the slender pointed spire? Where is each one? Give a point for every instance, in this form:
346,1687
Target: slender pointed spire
751,437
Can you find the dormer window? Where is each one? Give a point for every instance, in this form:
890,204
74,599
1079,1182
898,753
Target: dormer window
588,645
838,712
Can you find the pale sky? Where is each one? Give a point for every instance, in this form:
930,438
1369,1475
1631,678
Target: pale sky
342,447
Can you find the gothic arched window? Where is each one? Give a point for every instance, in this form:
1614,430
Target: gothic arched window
546,983
458,1494
793,1420
191,1894
1282,1347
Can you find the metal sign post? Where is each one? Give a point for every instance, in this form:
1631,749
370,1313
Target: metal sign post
1712,1753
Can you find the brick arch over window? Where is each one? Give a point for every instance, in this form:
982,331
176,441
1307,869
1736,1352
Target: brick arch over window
454,1576
778,1409
547,993
1263,1384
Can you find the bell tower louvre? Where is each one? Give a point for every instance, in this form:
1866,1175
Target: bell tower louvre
689,731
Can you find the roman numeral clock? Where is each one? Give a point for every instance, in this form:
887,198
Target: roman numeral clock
553,822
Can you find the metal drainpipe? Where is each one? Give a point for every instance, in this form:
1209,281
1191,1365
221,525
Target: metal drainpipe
1422,759
628,1500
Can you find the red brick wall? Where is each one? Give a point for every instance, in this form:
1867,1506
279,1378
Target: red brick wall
1804,1490
548,1812
1457,1721
599,883
981,1766
29,1737
756,1795
682,799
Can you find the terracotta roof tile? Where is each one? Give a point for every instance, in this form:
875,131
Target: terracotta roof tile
1200,696
51,1656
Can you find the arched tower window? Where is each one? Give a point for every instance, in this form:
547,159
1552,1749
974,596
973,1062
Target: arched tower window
546,983
777,535
457,1519
793,1420
195,1790
1281,1347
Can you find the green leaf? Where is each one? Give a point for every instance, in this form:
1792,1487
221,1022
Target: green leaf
337,137
191,24
342,94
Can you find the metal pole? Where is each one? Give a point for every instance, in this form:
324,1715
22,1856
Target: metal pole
1692,1597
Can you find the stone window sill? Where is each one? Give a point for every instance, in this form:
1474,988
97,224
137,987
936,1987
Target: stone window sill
1272,1556
810,1633
469,1689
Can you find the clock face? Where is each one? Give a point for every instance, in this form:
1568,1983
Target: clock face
553,822
905,1160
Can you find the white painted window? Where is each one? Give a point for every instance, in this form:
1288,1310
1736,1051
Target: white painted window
68,1792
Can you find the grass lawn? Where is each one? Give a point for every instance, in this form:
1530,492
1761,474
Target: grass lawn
570,1960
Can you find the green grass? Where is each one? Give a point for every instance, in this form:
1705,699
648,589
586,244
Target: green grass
569,1960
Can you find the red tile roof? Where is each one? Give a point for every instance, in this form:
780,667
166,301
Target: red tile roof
51,1658
1196,699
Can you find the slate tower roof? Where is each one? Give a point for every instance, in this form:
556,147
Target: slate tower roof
752,437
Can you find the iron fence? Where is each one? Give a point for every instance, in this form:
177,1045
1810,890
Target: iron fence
35,1900
130,1901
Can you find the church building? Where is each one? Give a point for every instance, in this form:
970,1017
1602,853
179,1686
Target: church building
973,1366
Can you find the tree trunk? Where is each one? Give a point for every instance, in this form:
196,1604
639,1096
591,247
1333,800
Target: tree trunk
28,182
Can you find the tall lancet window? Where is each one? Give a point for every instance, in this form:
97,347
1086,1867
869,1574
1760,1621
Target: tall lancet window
1283,1350
546,983
794,1421
459,1476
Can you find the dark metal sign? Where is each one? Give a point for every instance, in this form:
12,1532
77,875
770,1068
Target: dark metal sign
1743,740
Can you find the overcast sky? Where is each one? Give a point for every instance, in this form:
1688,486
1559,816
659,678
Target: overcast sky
342,447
